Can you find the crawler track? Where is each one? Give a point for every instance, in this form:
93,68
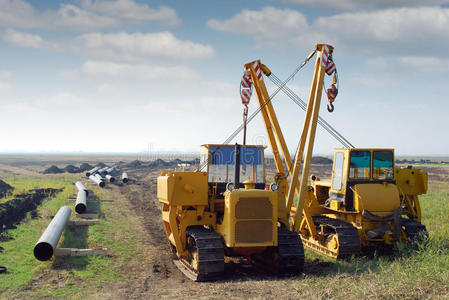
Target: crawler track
207,255
341,239
290,251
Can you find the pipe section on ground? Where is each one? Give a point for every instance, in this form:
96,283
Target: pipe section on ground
81,187
102,171
92,171
125,177
45,247
81,203
97,180
110,178
109,170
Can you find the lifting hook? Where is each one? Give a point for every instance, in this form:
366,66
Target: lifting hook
330,107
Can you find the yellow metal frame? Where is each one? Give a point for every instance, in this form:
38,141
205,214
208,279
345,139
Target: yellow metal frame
300,212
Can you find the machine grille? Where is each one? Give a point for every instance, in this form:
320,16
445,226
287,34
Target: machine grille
253,208
254,220
254,231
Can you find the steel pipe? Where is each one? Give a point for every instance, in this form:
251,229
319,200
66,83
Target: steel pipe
125,177
110,178
45,247
81,187
92,171
97,180
81,203
109,170
102,171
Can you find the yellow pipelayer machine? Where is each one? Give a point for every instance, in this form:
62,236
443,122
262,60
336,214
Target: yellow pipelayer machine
227,207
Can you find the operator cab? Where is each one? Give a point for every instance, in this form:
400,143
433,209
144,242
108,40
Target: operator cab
359,166
221,162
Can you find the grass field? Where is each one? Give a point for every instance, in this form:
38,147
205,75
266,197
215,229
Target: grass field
408,274
80,275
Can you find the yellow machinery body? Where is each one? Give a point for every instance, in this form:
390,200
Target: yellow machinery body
368,201
241,213
367,191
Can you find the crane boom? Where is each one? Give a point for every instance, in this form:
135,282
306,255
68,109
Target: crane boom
277,140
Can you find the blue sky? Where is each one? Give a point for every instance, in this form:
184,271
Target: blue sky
120,75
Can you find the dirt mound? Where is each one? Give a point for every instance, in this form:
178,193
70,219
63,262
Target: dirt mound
321,160
53,170
159,163
133,164
14,210
101,165
85,167
5,189
72,169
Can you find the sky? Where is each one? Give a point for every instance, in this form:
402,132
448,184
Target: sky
132,76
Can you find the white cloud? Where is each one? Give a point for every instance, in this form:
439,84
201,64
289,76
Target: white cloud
408,63
117,46
407,31
133,12
138,46
26,40
353,5
268,23
5,87
131,72
401,29
5,75
91,16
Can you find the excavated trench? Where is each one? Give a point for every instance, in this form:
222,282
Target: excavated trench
15,210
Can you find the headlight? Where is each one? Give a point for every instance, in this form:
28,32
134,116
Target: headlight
230,186
274,187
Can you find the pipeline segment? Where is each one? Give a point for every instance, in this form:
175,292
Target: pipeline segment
81,203
45,247
110,178
97,180
125,177
102,171
92,171
81,187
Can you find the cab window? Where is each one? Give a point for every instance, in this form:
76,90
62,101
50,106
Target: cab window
359,165
222,164
383,165
338,171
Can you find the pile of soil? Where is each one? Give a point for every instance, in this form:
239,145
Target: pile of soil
5,189
133,164
85,167
321,160
72,169
53,170
101,165
14,210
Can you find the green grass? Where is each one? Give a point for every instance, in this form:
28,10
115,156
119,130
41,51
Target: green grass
22,184
60,276
421,273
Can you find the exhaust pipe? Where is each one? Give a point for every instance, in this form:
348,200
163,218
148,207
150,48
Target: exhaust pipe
97,180
92,171
80,206
125,177
81,187
110,178
45,247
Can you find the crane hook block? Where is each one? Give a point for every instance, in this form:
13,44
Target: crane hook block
332,93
